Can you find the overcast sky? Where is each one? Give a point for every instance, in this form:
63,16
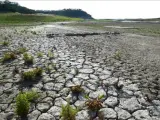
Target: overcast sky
101,9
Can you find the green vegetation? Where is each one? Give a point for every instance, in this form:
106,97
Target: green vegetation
50,55
23,100
8,56
94,104
77,89
68,112
32,74
28,59
32,95
5,43
7,6
21,50
22,105
38,71
39,54
48,69
117,55
15,18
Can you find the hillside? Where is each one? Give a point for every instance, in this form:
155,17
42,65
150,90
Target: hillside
78,13
10,7
17,18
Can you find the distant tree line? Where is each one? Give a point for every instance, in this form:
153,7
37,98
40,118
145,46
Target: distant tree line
68,12
7,6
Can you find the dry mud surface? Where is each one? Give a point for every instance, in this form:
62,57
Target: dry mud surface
122,67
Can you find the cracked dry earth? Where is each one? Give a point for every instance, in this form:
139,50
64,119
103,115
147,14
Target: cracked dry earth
78,61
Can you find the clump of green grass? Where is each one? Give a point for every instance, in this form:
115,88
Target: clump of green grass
50,55
28,59
22,105
8,56
32,95
118,55
39,54
77,89
68,112
38,71
32,74
48,69
23,101
21,50
5,43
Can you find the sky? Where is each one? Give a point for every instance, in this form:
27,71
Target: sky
100,9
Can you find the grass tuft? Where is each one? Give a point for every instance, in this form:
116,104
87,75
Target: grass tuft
118,55
39,54
32,95
22,105
77,89
23,100
5,43
21,50
8,56
32,74
28,59
68,112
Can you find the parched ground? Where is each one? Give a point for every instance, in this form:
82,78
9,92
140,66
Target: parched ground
123,67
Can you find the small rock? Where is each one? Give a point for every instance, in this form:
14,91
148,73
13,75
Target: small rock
111,81
122,114
108,113
55,111
43,106
34,115
83,76
59,102
130,104
142,115
111,101
86,71
46,116
82,115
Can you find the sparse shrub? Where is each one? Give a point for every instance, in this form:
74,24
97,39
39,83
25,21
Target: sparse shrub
28,59
8,56
29,75
39,54
48,69
21,50
38,71
32,74
118,55
32,95
23,102
5,43
94,104
68,112
54,66
50,55
77,89
22,105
